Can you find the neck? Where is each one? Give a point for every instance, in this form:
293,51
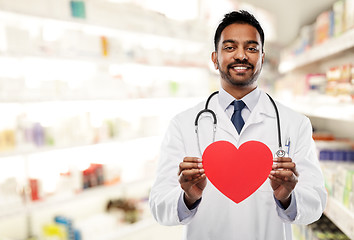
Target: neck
239,92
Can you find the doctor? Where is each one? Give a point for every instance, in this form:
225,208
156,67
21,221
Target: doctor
294,193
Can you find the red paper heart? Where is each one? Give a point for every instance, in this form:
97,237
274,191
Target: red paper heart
237,173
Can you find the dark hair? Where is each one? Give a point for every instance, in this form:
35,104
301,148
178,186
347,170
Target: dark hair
242,17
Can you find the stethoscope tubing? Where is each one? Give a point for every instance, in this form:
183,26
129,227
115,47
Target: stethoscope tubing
279,153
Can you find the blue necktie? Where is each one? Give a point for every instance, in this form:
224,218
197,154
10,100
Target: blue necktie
236,118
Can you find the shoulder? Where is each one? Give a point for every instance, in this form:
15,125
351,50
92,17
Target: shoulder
287,115
183,122
291,116
289,111
189,114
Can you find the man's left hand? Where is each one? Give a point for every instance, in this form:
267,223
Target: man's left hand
283,179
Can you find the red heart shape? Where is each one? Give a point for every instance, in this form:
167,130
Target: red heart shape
237,173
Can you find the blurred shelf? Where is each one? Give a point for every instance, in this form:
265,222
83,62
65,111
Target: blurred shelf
35,150
321,106
128,229
95,27
11,210
145,228
150,229
158,101
84,194
327,49
149,107
65,198
105,60
341,216
146,33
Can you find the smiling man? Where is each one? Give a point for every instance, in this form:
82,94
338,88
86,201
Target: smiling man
294,192
239,57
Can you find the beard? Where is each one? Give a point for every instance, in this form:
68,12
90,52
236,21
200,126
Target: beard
226,75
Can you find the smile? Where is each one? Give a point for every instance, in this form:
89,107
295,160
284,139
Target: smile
240,68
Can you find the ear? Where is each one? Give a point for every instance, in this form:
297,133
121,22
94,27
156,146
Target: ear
263,55
214,58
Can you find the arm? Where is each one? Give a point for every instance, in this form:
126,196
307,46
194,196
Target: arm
283,179
176,188
192,180
308,191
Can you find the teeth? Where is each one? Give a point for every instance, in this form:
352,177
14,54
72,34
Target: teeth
240,68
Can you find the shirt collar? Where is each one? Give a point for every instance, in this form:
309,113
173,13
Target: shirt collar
251,99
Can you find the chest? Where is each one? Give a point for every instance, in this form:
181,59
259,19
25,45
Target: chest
264,131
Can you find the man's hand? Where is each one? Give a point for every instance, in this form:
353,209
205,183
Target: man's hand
283,179
192,179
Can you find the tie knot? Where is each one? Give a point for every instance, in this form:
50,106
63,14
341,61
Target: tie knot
239,105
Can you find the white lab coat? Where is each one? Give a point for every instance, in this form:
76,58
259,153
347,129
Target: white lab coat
257,217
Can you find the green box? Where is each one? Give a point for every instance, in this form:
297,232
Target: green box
78,9
349,180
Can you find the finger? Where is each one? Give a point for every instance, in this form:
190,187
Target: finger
193,181
281,180
187,185
198,179
191,172
290,166
184,165
273,178
285,175
284,165
282,159
189,165
188,175
192,159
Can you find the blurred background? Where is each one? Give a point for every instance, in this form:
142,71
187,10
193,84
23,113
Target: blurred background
87,89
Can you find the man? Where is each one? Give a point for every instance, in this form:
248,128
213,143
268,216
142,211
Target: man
294,192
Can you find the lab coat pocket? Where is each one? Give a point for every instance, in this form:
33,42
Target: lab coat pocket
265,194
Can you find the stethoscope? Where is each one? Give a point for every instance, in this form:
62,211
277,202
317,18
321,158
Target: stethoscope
279,153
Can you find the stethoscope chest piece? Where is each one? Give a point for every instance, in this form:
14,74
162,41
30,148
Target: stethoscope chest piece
280,153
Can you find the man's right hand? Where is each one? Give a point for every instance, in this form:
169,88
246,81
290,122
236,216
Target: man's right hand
192,179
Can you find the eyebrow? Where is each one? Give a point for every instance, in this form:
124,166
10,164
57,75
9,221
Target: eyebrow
233,41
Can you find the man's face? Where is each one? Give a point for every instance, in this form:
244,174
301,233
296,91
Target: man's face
239,57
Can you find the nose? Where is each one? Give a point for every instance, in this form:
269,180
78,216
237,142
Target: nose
240,54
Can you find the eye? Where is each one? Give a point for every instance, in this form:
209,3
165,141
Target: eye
252,49
229,48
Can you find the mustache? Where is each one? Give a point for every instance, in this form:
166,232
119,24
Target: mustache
237,61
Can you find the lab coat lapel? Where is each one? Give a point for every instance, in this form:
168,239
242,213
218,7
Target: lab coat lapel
263,109
224,122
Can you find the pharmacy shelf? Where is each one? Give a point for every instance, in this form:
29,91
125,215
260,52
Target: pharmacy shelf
145,228
321,106
147,106
43,149
62,199
128,229
320,52
85,194
109,28
81,99
110,60
341,216
153,230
